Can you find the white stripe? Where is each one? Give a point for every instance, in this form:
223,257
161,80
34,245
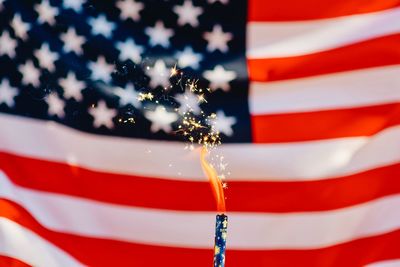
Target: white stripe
195,229
20,243
285,39
291,161
342,90
388,263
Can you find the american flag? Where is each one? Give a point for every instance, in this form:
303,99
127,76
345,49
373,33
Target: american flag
306,94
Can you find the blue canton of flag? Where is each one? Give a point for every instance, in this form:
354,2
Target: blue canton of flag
83,63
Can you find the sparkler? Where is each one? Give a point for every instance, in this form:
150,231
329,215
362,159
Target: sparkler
221,218
200,129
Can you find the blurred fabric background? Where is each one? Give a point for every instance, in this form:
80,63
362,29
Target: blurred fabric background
306,100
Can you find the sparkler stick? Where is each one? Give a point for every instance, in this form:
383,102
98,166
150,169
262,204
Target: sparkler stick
221,218
220,240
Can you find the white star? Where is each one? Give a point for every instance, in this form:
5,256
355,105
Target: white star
161,119
128,96
76,5
225,2
130,9
46,57
187,58
188,102
159,35
219,78
30,74
188,14
20,27
72,87
7,93
101,70
47,13
72,41
102,115
101,25
130,50
218,39
7,45
159,75
223,124
56,105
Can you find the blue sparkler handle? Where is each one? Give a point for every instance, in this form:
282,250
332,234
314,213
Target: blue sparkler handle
220,240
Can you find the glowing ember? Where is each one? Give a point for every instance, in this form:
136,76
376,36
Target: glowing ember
174,71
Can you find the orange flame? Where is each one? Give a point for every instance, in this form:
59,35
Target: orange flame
215,182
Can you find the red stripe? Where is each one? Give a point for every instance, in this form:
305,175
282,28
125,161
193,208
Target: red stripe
307,126
372,53
115,188
102,252
261,10
11,262
311,196
253,196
